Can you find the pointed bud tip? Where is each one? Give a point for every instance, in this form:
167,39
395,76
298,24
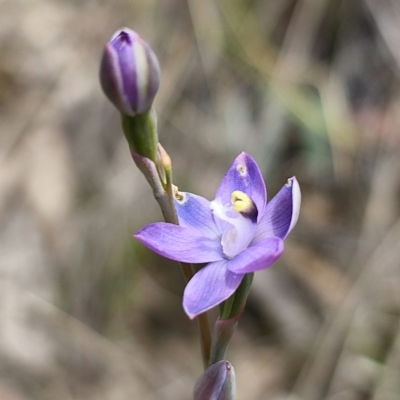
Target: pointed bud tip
217,383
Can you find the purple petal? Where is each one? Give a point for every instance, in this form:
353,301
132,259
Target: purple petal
111,80
150,87
244,175
257,257
195,212
209,287
281,213
123,42
180,243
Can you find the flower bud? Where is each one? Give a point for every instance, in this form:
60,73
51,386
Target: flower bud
216,383
129,73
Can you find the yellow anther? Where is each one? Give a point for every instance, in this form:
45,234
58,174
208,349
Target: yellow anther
242,203
179,196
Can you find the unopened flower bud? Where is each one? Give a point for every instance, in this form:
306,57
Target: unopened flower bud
216,383
129,73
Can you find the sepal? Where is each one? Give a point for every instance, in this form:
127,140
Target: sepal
141,133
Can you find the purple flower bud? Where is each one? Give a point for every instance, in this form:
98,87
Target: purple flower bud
129,73
216,383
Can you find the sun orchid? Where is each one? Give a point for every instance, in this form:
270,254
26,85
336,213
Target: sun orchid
237,233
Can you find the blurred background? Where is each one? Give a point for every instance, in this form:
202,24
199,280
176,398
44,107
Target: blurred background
309,88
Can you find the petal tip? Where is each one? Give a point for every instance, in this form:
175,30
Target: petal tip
296,202
244,158
191,315
190,309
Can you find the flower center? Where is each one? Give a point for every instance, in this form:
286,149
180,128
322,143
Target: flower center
236,222
244,205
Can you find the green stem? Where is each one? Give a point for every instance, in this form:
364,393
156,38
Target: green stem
227,307
234,304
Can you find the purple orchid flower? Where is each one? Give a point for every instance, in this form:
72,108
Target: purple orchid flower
237,233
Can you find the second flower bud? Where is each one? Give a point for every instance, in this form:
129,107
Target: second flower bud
129,73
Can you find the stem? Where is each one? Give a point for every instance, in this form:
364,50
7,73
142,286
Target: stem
227,308
164,194
234,304
188,270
